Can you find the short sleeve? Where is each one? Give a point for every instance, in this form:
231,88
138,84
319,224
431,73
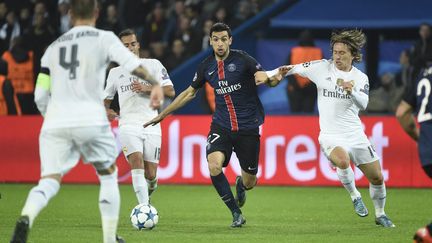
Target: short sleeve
198,79
252,64
362,85
162,75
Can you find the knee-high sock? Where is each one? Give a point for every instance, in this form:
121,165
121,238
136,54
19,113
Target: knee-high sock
223,188
39,197
346,176
109,206
140,186
378,194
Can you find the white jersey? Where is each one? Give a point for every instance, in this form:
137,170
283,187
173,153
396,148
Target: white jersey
135,108
338,111
77,63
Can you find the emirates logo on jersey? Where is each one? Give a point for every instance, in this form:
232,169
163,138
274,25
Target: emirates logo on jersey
225,88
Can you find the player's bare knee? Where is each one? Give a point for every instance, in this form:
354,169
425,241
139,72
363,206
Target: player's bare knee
215,168
377,180
150,174
135,160
341,162
136,164
250,183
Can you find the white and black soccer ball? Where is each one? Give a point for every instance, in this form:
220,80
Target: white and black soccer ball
144,216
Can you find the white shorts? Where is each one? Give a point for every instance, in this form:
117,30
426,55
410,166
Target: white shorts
60,149
358,146
134,139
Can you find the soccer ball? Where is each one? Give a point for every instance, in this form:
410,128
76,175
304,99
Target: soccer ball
144,216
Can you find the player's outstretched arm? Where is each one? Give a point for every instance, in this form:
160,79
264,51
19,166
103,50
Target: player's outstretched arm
183,98
273,77
406,119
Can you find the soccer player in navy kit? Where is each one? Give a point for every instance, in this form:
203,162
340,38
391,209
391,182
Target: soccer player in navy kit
418,99
236,120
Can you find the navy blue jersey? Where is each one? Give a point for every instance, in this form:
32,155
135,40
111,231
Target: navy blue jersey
419,96
237,104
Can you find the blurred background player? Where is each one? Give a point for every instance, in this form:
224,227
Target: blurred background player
418,99
68,94
141,146
236,120
343,91
302,93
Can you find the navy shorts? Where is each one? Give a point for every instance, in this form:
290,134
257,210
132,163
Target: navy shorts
245,143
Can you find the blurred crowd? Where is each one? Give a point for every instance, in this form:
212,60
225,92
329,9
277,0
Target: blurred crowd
169,30
388,95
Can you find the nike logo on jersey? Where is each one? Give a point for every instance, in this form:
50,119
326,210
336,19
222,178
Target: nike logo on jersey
250,168
210,73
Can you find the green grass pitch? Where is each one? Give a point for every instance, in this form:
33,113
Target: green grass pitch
196,214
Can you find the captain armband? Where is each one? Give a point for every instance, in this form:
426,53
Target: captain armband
43,81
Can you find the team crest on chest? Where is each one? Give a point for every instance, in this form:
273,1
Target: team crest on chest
133,79
232,67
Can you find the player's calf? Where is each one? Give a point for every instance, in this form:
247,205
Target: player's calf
240,191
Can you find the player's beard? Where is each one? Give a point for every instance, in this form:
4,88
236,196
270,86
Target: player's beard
223,55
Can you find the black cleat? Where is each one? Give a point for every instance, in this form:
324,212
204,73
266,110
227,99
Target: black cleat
119,239
241,192
238,220
21,230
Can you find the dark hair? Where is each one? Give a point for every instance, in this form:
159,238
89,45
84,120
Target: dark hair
83,9
126,32
354,39
219,27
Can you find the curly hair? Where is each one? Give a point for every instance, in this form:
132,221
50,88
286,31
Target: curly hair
354,39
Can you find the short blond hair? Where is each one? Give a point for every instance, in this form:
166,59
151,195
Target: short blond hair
354,39
83,9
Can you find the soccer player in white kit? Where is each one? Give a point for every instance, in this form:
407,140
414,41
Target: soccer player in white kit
140,145
342,91
69,94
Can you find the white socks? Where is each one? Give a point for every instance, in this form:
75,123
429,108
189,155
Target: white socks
378,195
140,186
109,206
346,176
39,197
